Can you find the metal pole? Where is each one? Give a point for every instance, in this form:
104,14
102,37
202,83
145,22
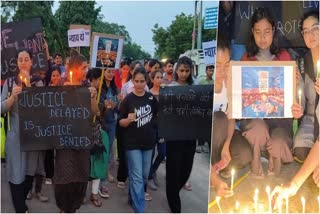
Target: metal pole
194,25
199,39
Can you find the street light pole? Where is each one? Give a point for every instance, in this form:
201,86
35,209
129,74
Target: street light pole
199,41
194,25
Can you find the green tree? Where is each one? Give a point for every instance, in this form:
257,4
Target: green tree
177,38
75,12
133,50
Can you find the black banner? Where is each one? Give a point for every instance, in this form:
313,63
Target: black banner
18,35
287,15
55,117
186,112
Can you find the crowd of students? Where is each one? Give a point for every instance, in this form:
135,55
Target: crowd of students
240,143
126,110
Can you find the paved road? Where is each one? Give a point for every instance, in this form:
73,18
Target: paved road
195,201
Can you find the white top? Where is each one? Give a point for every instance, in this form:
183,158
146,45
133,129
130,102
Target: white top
221,100
128,87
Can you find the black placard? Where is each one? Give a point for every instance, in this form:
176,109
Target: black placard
185,112
18,35
287,15
55,117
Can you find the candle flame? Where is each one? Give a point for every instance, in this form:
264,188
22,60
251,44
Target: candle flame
237,205
232,172
268,189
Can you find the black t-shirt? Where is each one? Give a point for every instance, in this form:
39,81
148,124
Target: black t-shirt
139,134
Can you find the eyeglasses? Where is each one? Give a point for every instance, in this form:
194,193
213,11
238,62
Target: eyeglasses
313,30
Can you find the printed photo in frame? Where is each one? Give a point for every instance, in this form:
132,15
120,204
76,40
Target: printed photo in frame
261,89
106,50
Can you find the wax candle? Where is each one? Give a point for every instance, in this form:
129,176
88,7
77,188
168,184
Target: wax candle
303,202
299,95
269,198
319,204
232,178
237,205
70,76
318,66
218,203
279,203
287,204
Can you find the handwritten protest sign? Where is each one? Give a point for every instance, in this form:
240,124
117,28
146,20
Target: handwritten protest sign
185,112
209,52
17,35
55,117
78,38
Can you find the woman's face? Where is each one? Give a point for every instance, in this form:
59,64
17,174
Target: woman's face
24,61
95,83
154,67
183,73
81,72
310,31
263,34
125,69
109,74
139,82
55,77
158,79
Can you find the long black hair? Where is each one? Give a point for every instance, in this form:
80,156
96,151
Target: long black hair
113,86
259,14
184,61
314,14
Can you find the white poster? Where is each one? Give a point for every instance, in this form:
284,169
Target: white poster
79,38
209,52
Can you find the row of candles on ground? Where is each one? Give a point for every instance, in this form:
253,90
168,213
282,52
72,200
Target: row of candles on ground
259,208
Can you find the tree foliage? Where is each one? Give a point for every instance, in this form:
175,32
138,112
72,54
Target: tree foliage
177,38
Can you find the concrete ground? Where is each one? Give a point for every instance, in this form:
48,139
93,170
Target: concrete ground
195,201
244,192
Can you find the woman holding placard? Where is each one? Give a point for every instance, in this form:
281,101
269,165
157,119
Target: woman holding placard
273,135
72,167
308,130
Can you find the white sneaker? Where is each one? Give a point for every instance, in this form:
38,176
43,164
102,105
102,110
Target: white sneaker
48,181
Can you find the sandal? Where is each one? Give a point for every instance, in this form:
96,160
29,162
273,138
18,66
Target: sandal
95,200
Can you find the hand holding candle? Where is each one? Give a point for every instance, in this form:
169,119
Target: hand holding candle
303,202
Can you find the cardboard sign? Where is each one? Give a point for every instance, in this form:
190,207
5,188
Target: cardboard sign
261,89
78,38
209,52
55,117
287,16
185,112
17,35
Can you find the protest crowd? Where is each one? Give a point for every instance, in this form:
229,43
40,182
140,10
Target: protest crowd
124,108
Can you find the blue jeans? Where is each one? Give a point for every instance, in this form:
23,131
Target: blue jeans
111,131
139,162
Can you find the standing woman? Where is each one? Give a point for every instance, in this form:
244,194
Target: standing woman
137,113
179,153
273,135
49,159
72,167
109,96
16,168
308,131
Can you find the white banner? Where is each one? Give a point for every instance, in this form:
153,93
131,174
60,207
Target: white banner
79,38
209,52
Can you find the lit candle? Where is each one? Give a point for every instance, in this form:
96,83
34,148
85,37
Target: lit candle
25,81
303,202
237,205
255,199
287,204
319,204
232,178
71,76
261,209
246,210
269,199
318,65
299,95
218,203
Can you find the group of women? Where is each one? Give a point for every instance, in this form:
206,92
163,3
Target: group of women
274,137
130,113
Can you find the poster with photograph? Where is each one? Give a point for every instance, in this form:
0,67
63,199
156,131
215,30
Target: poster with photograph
261,89
106,50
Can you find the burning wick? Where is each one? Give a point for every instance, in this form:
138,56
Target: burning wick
232,178
269,198
218,203
303,202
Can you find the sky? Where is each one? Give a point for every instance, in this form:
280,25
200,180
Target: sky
139,17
